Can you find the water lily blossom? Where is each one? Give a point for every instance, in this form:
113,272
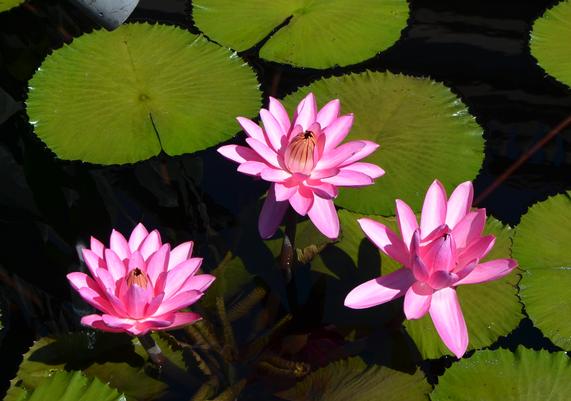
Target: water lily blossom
140,284
304,160
442,253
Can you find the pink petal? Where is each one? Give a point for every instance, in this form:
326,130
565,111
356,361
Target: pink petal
142,327
119,245
319,174
417,300
328,113
434,208
489,271
477,249
264,151
440,254
137,261
176,277
372,170
179,301
105,280
271,215
158,263
407,221
182,319
273,129
336,157
89,291
275,175
284,192
323,214
137,236
419,269
92,260
252,167
386,240
181,253
469,228
136,301
97,247
365,151
346,178
441,279
459,203
336,131
252,129
199,282
380,290
301,202
323,189
280,114
306,112
118,322
447,317
115,265
154,304
151,244
96,322
239,154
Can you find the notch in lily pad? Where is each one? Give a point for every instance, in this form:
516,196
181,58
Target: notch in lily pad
124,96
108,13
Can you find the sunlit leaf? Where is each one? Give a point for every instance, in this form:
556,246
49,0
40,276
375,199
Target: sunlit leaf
501,375
6,5
318,34
551,42
542,247
123,96
424,130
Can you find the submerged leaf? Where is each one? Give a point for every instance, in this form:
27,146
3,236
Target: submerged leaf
352,379
424,131
501,375
123,96
317,34
541,245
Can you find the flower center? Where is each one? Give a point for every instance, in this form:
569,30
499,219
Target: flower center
138,277
300,153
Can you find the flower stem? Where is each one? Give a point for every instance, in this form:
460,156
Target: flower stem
288,246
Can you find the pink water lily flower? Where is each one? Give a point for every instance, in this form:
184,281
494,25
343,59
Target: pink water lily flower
441,254
140,284
304,160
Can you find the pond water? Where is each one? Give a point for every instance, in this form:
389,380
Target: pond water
49,207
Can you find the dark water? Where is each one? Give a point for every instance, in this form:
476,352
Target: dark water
48,207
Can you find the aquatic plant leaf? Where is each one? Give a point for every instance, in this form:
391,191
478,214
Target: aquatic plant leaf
317,34
6,5
67,386
501,375
424,131
123,96
551,42
353,379
541,245
490,309
108,13
112,358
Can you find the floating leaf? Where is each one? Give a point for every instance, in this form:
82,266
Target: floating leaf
108,13
424,130
352,379
501,375
6,5
122,96
111,358
542,247
490,309
317,34
67,386
551,42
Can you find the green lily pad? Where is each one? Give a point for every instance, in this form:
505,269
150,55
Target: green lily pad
112,358
6,5
353,379
67,386
490,309
310,33
123,96
541,245
424,130
551,42
501,375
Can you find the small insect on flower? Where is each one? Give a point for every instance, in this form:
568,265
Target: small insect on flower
140,284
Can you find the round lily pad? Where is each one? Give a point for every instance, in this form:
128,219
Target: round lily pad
305,33
542,247
424,130
123,96
353,379
490,309
501,375
6,5
551,42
